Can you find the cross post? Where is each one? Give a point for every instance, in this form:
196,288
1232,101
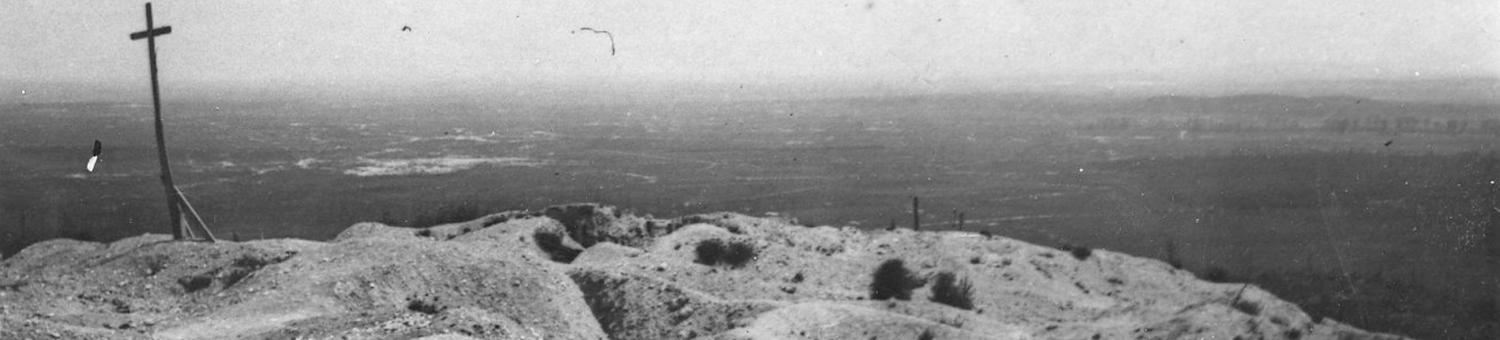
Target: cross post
161,145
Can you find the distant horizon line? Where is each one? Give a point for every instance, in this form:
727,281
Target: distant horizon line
1465,88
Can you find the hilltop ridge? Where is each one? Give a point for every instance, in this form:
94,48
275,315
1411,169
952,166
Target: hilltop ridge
588,271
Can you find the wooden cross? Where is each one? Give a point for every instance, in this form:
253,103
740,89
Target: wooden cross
175,201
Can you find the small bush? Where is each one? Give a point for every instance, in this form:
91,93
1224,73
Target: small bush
1079,252
715,252
709,251
893,280
422,306
740,254
1216,274
948,289
195,283
1247,306
926,335
552,244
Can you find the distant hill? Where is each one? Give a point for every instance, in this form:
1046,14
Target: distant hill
1472,90
1251,104
1322,106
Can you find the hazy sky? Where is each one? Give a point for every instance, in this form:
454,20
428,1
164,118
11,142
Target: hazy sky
906,43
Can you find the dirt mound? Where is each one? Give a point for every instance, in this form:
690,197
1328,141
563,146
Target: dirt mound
381,282
587,271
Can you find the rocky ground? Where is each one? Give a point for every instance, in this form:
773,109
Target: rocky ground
593,272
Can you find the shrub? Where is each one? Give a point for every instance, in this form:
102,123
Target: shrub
1079,252
715,252
195,283
424,307
1247,306
893,280
926,335
1216,274
446,214
948,289
740,253
709,251
552,244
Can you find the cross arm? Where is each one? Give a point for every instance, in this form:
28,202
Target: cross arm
151,33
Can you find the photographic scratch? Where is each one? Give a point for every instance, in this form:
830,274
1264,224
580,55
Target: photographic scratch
606,33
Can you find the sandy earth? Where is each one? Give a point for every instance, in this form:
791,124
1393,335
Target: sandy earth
595,272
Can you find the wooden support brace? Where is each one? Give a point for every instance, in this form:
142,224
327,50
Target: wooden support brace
194,212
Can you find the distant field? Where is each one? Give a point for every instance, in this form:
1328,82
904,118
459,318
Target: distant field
1366,211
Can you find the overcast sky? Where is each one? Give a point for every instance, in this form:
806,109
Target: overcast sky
900,43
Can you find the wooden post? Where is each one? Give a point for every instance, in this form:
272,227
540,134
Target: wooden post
173,210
